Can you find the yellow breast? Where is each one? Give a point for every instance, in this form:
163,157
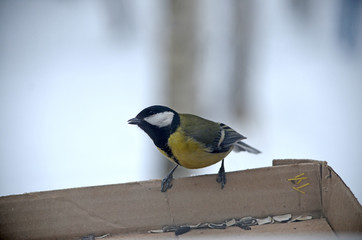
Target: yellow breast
192,154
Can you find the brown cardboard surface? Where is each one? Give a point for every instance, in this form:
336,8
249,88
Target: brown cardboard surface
256,192
340,206
138,207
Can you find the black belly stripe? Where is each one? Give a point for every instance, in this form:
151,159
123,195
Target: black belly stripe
169,153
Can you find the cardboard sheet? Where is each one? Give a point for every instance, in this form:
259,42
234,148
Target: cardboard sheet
296,187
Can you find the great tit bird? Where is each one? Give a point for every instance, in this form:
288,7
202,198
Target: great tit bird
188,140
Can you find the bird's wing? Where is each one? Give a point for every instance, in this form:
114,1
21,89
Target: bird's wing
217,137
202,130
228,137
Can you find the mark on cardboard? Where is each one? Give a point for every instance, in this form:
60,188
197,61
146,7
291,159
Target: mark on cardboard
298,180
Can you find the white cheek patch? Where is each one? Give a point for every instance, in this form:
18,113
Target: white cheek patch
160,120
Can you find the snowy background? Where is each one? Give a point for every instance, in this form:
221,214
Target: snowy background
73,72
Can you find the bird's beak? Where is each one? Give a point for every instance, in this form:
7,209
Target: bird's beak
135,121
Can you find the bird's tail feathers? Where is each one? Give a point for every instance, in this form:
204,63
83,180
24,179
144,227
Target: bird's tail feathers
240,146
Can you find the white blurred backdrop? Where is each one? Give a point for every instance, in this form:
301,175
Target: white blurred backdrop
73,72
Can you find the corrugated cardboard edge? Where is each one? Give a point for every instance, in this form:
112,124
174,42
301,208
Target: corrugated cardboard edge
281,162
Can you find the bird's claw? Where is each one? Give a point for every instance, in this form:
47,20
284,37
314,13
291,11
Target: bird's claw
221,178
166,183
221,175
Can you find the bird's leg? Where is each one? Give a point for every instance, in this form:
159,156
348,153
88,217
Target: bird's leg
221,176
166,182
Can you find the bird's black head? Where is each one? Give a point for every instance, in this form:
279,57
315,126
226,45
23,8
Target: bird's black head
159,122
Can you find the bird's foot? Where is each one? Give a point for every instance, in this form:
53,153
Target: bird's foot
221,175
167,181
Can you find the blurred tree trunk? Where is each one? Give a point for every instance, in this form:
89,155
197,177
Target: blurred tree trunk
242,42
209,40
181,55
